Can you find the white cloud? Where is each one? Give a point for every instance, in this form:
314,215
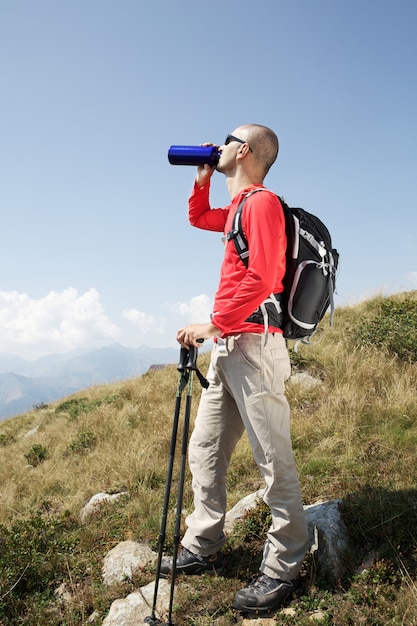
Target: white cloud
197,310
145,322
59,322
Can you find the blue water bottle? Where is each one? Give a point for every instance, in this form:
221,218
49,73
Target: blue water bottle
193,155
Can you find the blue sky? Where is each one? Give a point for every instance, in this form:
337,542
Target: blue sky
95,243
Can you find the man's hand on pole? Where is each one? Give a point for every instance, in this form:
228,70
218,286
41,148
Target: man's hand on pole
190,335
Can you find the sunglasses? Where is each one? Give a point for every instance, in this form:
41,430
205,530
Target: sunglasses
230,138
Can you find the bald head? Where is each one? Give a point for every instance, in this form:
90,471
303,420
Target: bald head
264,145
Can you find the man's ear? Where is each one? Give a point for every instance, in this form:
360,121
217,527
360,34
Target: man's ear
243,151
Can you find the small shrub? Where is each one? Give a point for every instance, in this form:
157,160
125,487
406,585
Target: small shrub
73,406
254,523
35,555
76,406
6,439
40,406
392,326
36,455
112,398
83,443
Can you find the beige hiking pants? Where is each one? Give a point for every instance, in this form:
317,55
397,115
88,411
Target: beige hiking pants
247,392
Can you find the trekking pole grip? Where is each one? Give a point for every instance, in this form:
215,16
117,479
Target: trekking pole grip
188,358
191,363
183,359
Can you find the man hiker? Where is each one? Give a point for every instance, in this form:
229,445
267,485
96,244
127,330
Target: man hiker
248,369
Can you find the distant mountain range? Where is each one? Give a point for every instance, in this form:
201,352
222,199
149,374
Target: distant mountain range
25,384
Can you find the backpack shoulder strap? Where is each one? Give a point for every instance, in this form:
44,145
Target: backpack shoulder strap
237,234
239,239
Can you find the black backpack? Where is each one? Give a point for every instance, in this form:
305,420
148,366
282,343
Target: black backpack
310,277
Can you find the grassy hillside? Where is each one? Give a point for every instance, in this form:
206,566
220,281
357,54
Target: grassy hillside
354,437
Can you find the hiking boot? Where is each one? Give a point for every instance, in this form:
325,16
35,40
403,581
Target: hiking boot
190,563
263,595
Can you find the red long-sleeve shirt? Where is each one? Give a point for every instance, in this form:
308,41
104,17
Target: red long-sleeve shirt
241,290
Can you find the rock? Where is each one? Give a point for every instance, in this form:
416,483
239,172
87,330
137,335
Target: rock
95,502
31,432
62,594
237,512
289,611
318,616
133,609
122,561
305,379
328,536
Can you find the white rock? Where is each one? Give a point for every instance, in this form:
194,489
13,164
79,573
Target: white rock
289,611
305,379
122,561
96,501
93,617
63,594
317,616
31,432
246,504
133,609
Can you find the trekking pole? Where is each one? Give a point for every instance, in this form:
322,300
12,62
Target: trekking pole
182,381
190,367
187,364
